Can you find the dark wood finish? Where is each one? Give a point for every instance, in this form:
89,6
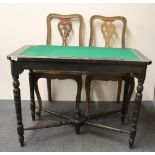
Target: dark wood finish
38,111
138,99
87,89
48,90
105,127
47,125
17,100
65,27
56,114
32,103
137,69
125,98
108,29
129,82
119,91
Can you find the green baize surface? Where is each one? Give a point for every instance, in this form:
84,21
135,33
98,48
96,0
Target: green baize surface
80,52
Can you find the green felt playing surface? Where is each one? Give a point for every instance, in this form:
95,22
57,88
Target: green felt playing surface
80,52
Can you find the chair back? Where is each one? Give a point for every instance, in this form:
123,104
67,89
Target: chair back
108,27
65,28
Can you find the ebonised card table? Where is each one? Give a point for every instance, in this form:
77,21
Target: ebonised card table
85,60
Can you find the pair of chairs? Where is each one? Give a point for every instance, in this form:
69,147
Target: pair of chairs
65,28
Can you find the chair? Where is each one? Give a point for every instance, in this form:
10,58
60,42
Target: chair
108,29
65,28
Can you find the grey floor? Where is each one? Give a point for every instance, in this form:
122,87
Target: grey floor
64,138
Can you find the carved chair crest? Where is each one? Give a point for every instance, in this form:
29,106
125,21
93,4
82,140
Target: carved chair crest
110,27
108,30
65,27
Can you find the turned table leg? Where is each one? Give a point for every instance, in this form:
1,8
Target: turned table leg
137,105
17,101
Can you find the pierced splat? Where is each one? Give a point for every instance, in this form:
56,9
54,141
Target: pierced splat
108,30
64,27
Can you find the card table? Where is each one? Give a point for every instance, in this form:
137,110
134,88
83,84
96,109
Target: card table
96,60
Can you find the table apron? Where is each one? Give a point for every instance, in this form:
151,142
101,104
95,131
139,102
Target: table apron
83,67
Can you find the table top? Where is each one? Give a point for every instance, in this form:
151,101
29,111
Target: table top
80,52
76,52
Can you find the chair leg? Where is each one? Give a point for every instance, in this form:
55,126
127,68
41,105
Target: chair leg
32,101
87,89
49,90
119,91
79,88
38,112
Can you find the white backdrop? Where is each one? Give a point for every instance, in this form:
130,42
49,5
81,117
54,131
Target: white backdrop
22,24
